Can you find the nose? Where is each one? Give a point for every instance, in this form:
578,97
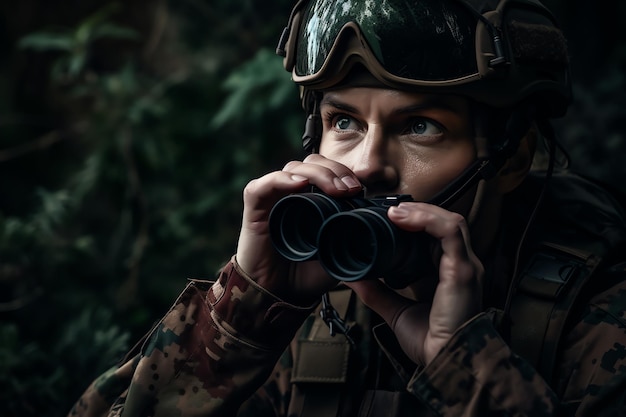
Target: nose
375,163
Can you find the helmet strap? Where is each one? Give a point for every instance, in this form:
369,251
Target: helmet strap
489,159
312,136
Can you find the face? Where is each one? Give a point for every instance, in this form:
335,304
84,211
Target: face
397,142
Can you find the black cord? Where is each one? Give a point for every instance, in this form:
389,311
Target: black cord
312,136
494,32
546,130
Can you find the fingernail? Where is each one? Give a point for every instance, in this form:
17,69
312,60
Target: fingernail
351,182
298,178
399,211
340,185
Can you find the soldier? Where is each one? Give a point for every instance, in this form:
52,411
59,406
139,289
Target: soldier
516,305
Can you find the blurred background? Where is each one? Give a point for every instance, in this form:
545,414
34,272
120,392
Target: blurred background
127,132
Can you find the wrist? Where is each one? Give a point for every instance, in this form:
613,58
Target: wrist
250,312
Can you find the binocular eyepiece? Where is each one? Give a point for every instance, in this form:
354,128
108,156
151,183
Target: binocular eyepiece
352,238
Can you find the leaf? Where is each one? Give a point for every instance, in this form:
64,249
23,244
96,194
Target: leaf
85,30
112,31
47,41
76,64
262,76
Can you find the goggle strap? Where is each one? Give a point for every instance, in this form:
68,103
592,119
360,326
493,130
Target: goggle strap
284,36
282,42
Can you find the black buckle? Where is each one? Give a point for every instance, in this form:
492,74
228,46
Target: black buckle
332,319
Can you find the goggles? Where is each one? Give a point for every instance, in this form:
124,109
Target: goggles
448,45
429,42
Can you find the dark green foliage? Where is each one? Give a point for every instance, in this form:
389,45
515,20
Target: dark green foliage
131,184
36,375
127,133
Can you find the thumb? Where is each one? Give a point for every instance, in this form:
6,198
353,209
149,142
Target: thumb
407,319
380,298
395,309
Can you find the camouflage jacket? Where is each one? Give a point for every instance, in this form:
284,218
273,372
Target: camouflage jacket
227,349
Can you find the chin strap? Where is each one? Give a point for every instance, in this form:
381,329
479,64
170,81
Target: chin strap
489,161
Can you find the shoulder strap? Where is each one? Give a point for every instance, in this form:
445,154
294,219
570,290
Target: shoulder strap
548,288
579,228
321,364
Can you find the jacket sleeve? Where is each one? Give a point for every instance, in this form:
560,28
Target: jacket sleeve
477,374
212,350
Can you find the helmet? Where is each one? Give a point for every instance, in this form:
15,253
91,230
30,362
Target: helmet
508,56
496,52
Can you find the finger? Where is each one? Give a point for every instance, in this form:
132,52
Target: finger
432,219
261,194
340,169
448,227
458,263
329,176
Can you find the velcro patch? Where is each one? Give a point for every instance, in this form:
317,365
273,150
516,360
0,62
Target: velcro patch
540,44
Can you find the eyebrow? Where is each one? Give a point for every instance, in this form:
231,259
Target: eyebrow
338,104
429,102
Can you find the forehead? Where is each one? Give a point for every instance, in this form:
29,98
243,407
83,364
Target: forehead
362,97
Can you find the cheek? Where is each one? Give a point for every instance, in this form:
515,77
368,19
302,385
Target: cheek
427,173
337,151
325,150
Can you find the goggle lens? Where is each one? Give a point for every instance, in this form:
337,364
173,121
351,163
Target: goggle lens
421,40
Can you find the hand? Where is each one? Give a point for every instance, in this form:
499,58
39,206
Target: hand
423,329
301,282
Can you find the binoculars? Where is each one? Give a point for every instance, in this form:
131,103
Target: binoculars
352,238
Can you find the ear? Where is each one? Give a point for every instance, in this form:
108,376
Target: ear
516,167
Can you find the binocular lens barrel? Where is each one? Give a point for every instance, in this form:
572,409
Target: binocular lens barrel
295,221
355,245
353,239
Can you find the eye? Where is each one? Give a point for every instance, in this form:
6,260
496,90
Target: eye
422,126
343,122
